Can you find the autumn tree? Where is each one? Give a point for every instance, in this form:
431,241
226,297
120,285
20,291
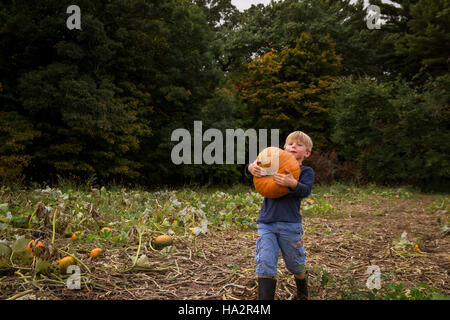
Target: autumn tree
290,89
100,100
278,24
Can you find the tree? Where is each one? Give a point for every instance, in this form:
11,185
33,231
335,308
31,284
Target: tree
395,132
416,38
219,13
290,90
100,99
60,81
16,133
262,29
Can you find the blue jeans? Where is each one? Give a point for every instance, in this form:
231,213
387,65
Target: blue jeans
272,237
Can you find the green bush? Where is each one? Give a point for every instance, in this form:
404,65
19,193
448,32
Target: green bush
396,133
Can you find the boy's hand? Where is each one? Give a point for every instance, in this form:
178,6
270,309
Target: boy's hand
254,169
285,180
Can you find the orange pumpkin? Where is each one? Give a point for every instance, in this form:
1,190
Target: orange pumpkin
162,241
29,246
95,252
64,263
77,235
105,231
268,161
34,246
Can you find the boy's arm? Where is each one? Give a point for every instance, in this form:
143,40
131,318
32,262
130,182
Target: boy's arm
253,170
304,186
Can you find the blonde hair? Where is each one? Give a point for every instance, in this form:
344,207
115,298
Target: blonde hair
302,137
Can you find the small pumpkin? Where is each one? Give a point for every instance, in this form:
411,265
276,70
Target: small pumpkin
104,231
65,262
162,241
275,160
77,235
33,246
95,252
29,246
39,248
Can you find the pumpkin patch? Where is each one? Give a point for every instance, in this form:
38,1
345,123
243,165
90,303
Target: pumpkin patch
186,243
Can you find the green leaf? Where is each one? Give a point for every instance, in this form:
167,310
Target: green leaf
20,245
439,296
5,251
19,221
41,266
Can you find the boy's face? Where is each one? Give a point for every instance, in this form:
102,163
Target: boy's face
298,149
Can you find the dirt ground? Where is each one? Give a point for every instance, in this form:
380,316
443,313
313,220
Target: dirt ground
220,265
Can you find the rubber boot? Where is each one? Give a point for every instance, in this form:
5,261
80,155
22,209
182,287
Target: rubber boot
266,288
302,289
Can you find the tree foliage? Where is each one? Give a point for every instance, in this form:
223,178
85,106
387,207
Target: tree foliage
262,29
396,133
291,89
103,101
98,98
415,41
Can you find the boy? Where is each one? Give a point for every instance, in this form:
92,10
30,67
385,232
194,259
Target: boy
280,222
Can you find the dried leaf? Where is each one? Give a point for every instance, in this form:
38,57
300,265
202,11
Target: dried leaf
143,262
94,213
40,210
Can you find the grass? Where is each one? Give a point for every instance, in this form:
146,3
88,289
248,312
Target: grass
137,215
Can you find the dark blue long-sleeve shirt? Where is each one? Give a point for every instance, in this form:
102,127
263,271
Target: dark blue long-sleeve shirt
286,208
